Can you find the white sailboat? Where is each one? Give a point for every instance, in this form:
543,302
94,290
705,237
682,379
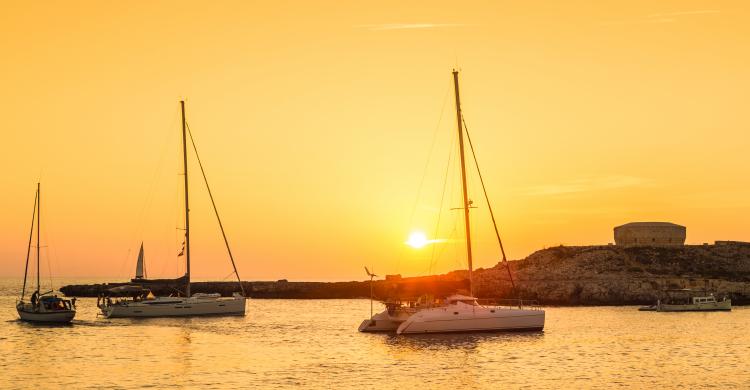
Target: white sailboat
42,307
140,266
145,304
459,313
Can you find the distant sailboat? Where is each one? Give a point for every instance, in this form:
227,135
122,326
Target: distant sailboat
141,276
144,304
140,267
43,307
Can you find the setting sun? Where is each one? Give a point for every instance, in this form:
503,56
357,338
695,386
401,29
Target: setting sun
417,240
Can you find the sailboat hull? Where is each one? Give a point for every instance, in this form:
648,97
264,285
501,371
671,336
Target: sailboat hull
467,318
27,313
58,317
176,307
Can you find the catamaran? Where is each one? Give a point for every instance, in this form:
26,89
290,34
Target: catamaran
145,304
42,307
460,313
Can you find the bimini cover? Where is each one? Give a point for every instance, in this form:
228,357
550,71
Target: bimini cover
126,289
459,297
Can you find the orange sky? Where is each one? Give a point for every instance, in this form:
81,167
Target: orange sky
315,122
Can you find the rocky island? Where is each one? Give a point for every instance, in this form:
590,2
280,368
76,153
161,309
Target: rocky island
562,275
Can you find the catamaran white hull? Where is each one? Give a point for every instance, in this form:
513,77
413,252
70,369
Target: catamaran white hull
385,322
58,317
472,319
375,326
725,305
176,307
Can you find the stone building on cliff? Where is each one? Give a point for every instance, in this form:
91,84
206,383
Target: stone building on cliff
650,234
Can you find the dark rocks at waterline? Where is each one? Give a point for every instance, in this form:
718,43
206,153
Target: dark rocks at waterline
408,288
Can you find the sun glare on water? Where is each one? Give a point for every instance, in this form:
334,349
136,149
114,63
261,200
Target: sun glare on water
417,240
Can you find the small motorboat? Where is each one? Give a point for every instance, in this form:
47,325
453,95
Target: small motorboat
698,303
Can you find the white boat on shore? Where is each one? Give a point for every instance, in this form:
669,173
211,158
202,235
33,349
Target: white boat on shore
43,307
145,304
459,313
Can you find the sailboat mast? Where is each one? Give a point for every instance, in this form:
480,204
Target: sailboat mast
28,249
38,222
463,181
187,207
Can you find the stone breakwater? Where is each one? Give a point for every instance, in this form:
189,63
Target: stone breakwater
576,275
410,287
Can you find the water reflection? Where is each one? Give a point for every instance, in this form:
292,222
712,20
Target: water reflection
315,344
459,340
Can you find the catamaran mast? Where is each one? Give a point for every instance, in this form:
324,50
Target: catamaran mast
463,180
187,208
38,222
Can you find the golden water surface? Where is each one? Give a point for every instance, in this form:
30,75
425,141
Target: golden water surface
315,344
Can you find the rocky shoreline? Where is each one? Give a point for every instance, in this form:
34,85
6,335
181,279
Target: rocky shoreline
565,276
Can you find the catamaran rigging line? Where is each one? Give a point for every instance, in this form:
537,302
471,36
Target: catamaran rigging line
489,206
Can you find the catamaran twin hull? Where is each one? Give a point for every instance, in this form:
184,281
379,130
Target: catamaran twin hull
468,318
386,321
176,307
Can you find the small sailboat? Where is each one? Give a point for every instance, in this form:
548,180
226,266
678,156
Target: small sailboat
141,277
459,313
42,307
140,266
145,304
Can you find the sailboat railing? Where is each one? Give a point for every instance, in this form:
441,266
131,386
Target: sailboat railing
528,304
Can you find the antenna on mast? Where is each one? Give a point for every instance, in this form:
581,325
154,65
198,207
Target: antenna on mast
371,275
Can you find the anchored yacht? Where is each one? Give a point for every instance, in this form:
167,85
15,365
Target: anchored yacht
145,304
459,313
465,314
43,307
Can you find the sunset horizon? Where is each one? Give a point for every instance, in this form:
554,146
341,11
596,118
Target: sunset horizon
574,130
324,194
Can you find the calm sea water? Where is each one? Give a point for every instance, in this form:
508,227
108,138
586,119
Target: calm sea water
314,343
